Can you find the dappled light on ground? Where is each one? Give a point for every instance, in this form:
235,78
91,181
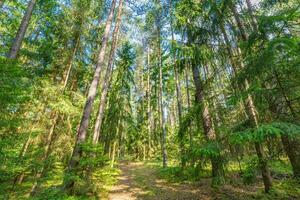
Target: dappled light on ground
139,181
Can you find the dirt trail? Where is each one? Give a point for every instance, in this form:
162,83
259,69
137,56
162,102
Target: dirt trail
139,181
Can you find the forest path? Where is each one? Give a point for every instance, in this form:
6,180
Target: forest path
139,181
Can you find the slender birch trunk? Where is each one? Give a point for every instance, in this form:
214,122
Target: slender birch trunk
15,48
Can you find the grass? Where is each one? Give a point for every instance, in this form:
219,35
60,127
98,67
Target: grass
146,177
283,188
50,189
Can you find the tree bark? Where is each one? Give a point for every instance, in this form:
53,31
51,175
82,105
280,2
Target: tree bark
70,63
15,48
19,178
251,13
121,139
188,99
113,154
252,113
108,75
82,131
249,103
149,104
161,105
50,136
48,143
239,22
187,88
176,76
177,82
291,145
209,131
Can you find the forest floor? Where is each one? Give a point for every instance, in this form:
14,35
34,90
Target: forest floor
140,181
131,180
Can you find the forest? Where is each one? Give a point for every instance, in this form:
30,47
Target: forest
150,99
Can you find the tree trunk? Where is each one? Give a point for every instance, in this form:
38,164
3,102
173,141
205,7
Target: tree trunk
82,131
249,103
70,63
15,48
121,140
252,113
188,98
108,75
118,135
19,178
291,145
263,164
109,149
209,131
48,143
162,122
187,88
207,121
113,154
251,13
239,22
144,151
149,105
161,105
177,83
50,137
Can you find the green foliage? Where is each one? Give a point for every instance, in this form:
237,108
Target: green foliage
187,119
93,157
118,116
210,150
178,174
15,92
67,34
264,131
250,171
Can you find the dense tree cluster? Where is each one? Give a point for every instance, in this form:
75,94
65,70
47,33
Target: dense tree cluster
199,84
